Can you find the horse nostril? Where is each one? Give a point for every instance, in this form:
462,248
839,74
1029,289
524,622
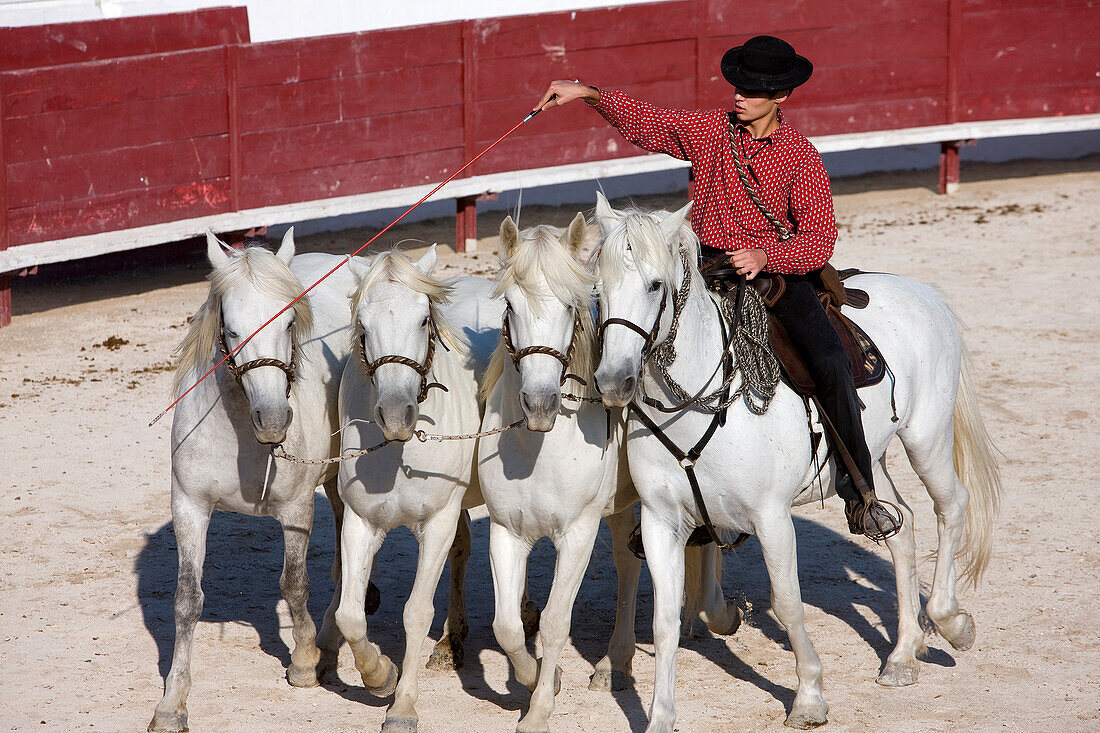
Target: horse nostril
257,418
410,415
378,418
628,386
525,401
289,415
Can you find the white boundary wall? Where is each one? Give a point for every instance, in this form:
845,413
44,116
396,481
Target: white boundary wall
271,20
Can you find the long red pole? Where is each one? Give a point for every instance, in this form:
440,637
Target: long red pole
342,263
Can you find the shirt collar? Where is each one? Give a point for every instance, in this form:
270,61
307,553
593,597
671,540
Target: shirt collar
777,134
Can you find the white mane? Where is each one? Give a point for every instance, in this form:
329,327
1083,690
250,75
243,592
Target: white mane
396,267
267,274
540,251
639,232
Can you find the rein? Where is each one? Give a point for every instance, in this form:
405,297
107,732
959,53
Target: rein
518,354
421,369
239,371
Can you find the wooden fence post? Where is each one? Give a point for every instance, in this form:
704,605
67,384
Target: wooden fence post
466,207
232,90
5,278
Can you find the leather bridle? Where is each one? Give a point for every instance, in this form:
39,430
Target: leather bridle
565,359
239,371
422,369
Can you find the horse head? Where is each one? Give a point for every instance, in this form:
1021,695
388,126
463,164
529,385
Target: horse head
248,287
640,270
546,331
397,328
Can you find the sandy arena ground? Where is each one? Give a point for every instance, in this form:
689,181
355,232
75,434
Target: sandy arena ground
88,560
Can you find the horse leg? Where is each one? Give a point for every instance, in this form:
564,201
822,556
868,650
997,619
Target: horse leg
297,524
776,534
508,561
447,654
574,551
664,552
930,453
436,537
901,666
359,542
190,521
613,672
329,638
720,616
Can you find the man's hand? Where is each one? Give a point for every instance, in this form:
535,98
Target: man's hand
565,91
749,262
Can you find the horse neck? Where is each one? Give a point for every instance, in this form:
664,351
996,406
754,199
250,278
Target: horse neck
698,342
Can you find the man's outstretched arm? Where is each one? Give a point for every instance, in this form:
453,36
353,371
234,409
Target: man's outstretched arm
679,133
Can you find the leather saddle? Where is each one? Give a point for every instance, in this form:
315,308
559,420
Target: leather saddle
868,366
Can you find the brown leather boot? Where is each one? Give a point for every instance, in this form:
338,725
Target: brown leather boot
870,517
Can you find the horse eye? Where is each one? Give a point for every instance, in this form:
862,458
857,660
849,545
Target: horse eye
231,333
655,286
424,323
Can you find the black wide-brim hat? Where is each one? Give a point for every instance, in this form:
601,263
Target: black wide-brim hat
765,64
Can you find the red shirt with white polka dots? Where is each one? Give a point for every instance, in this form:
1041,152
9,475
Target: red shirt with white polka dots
785,167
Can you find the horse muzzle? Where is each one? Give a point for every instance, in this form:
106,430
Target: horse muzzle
270,424
616,389
397,419
541,409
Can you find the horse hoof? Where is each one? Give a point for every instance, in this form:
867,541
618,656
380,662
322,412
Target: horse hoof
169,722
302,676
808,716
603,681
373,600
386,688
330,660
532,727
446,656
959,632
899,674
728,625
399,725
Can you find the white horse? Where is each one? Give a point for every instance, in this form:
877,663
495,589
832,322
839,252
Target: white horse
223,432
410,369
558,477
755,466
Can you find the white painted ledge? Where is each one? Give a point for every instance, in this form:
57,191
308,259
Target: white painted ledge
62,250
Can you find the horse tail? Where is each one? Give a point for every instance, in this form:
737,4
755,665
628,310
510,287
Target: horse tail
976,467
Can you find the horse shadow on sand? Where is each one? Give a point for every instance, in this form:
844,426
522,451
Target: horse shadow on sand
244,559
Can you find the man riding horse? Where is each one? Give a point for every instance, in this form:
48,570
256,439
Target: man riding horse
732,215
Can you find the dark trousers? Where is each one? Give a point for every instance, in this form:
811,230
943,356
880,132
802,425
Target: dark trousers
802,314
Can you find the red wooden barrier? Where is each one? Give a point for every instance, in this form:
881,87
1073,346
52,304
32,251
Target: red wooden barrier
111,144
73,43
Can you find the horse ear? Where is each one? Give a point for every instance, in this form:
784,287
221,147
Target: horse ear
578,230
509,237
215,251
286,249
358,268
606,217
670,225
427,260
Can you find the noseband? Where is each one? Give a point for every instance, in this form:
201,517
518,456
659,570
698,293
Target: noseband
239,371
421,369
517,354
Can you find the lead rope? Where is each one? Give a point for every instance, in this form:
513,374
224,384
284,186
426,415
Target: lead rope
784,233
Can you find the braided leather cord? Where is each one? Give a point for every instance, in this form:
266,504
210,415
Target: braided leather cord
784,233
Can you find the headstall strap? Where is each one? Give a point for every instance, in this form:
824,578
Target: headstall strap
239,371
565,359
421,369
